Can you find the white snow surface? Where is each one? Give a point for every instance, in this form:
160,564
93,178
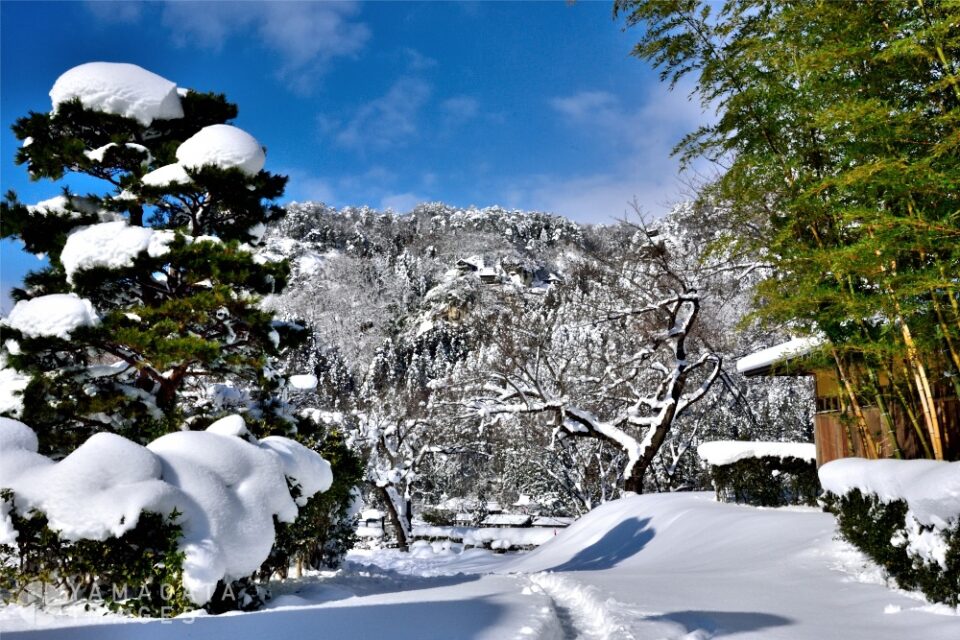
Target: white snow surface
12,382
121,89
114,245
54,315
779,353
223,146
667,566
721,452
303,381
227,489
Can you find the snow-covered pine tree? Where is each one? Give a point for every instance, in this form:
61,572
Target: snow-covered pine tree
152,289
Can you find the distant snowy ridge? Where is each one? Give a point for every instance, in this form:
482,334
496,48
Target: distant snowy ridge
228,489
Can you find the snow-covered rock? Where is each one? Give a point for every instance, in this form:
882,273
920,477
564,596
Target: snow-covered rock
54,315
223,146
227,490
721,452
114,245
121,89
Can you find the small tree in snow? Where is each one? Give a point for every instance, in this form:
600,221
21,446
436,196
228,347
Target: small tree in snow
616,355
152,287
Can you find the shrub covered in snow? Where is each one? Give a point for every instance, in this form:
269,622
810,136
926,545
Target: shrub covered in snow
220,493
905,515
764,474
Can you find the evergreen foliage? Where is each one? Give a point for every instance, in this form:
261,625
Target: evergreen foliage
137,573
876,528
171,322
837,127
769,481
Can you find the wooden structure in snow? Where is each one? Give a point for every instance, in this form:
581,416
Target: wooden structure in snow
834,422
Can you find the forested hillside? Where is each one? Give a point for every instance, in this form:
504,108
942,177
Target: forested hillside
463,349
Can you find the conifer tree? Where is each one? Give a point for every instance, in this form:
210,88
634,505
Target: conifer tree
155,281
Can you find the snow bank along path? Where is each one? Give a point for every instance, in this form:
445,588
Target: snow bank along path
667,566
227,485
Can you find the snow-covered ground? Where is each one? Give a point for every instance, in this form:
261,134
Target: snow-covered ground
668,566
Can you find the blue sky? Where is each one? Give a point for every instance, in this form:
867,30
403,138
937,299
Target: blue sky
530,105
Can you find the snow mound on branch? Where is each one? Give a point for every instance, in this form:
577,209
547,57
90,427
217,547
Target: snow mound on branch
230,426
226,489
121,89
722,452
166,175
98,154
223,146
114,245
54,315
301,465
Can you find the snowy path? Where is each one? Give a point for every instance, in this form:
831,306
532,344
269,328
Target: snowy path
659,567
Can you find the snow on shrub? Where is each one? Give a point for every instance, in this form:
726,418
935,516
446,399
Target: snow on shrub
54,315
905,514
721,452
223,146
227,490
121,89
167,175
764,474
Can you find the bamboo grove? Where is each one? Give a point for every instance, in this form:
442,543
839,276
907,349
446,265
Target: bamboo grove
837,137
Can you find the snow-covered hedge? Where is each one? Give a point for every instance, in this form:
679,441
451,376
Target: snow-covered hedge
221,487
905,515
764,474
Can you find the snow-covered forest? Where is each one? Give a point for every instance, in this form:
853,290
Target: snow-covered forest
224,413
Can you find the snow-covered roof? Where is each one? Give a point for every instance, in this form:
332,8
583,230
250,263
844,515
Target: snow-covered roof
760,362
121,89
721,452
223,146
523,501
372,514
55,315
553,521
506,520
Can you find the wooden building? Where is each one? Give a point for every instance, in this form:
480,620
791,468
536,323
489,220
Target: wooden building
836,428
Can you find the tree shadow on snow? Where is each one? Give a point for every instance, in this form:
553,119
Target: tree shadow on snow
623,541
441,620
723,623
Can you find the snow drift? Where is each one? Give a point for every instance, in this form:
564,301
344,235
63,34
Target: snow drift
227,489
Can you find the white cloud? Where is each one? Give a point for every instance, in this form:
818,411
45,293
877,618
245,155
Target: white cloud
387,121
305,35
416,61
640,140
459,109
116,12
